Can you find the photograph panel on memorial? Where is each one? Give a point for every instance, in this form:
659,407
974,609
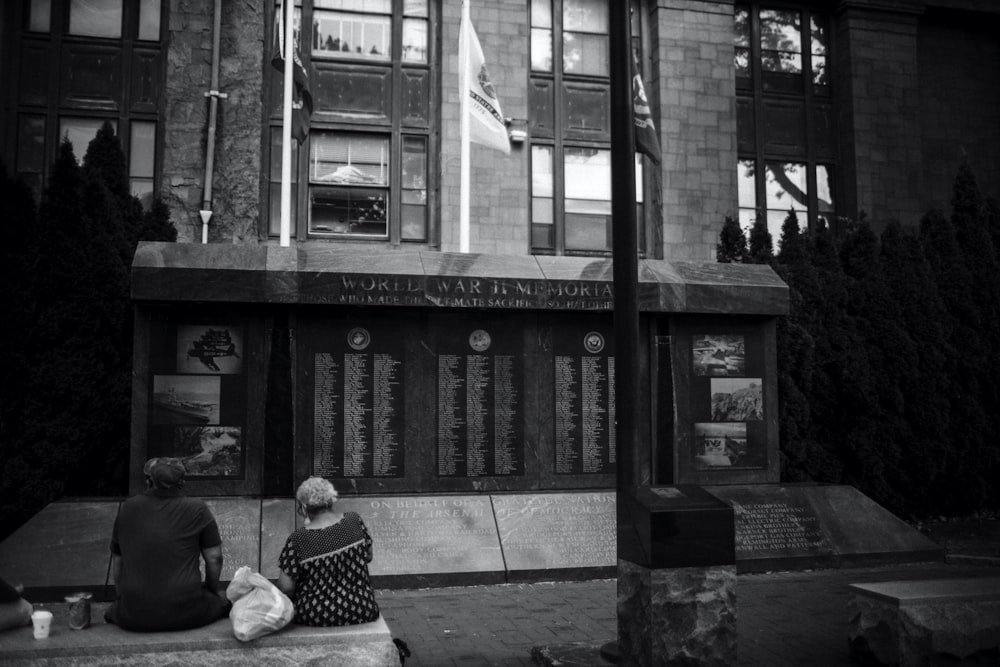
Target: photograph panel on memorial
201,395
725,375
354,382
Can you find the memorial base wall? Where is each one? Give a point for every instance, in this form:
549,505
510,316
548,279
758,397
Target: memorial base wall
462,539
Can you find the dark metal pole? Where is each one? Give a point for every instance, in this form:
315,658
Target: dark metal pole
626,301
626,271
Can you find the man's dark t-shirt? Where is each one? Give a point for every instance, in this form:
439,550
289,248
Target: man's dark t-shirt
159,536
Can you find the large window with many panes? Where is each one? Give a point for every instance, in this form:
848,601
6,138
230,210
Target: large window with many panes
570,127
785,116
362,173
79,64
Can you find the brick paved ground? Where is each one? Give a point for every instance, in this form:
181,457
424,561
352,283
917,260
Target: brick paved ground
785,619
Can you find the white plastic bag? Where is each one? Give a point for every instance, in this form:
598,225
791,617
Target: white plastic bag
259,608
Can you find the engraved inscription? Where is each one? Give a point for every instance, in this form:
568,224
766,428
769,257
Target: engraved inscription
762,528
430,534
557,530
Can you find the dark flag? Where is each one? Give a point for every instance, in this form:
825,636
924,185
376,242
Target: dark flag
645,132
302,104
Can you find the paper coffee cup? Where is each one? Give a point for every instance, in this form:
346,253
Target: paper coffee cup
41,621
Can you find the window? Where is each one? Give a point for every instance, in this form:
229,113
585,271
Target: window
785,117
570,126
365,163
107,57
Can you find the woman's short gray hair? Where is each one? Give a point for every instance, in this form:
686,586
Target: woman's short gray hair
316,494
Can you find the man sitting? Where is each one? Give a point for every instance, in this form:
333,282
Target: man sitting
15,611
156,543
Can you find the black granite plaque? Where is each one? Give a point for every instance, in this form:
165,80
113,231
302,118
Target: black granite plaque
424,535
557,530
479,402
358,407
817,524
584,402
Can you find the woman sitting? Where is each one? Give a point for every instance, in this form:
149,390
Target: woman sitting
324,564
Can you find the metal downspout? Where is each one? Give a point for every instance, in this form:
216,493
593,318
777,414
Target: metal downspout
213,114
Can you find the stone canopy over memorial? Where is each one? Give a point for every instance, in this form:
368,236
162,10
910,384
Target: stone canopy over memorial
376,277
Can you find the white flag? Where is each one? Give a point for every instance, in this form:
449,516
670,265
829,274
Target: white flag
486,122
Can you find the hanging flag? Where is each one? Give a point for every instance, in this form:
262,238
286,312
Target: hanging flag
302,104
486,122
646,140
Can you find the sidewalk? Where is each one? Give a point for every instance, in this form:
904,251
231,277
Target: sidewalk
785,618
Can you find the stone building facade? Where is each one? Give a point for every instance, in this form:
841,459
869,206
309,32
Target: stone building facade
906,90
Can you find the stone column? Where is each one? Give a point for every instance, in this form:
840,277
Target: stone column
676,579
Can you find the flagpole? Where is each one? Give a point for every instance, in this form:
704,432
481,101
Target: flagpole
463,93
288,9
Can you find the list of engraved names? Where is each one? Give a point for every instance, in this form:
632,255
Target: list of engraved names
358,414
479,426
584,414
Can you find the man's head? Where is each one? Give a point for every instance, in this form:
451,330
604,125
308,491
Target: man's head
164,473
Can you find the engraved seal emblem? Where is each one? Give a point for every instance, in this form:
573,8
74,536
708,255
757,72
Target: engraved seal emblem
359,338
479,340
593,342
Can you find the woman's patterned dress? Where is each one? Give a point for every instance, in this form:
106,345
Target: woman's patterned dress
330,569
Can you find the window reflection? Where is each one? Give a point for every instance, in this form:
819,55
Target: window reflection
741,41
819,51
585,37
141,167
360,162
149,20
80,132
342,34
414,189
746,182
415,40
39,15
542,228
587,173
541,35
95,18
780,41
786,188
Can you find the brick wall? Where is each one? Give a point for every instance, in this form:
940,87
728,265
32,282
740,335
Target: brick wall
959,102
695,99
236,182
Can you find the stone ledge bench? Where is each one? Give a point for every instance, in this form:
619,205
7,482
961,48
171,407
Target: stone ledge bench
366,645
930,622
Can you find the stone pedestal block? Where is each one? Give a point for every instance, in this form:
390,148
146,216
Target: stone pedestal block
679,616
954,622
